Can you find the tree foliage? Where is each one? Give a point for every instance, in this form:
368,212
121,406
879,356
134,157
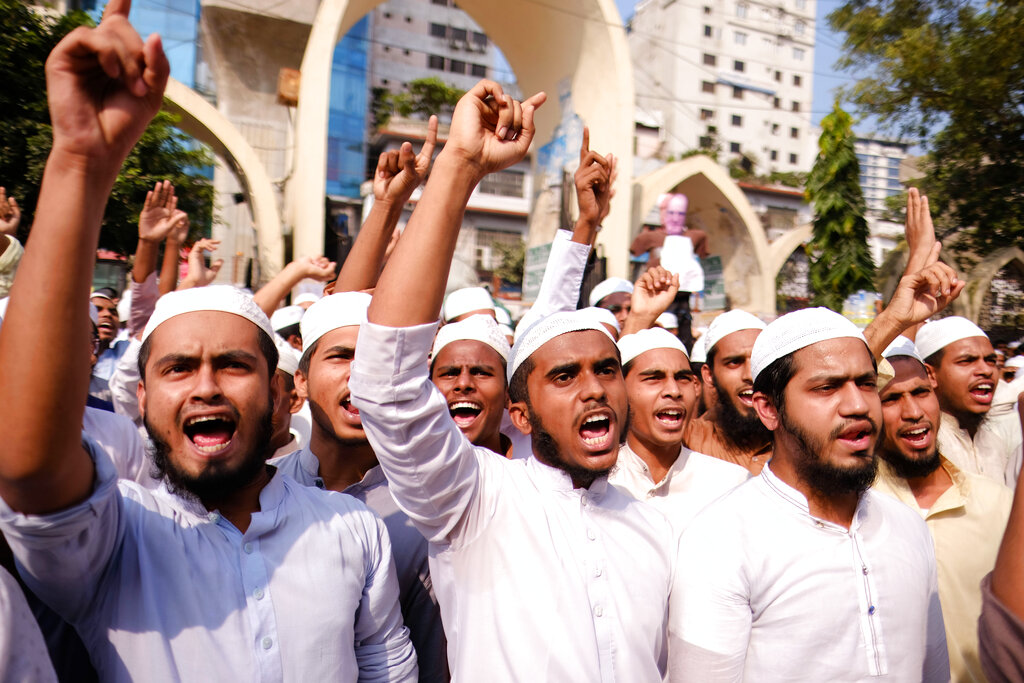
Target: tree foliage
25,135
422,97
513,262
840,261
951,74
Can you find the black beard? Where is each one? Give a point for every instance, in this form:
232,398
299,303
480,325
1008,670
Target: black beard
823,477
547,452
746,432
911,468
219,483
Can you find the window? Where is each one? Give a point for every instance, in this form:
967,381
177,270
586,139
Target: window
503,183
712,130
799,28
737,93
435,62
777,103
741,11
706,114
774,155
479,39
707,86
734,147
800,4
737,120
739,66
894,172
794,133
798,53
457,67
778,76
707,10
775,129
792,158
796,106
706,142
708,31
438,30
479,70
487,255
458,34
741,38
710,60
797,81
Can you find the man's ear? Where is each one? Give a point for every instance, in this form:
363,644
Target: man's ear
295,401
277,393
301,387
766,411
705,373
520,414
931,376
140,395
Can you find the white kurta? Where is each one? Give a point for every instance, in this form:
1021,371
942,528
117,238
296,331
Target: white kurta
767,592
693,481
537,580
23,655
995,450
161,590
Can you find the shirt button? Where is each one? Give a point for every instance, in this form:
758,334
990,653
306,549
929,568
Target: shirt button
591,535
865,571
871,610
598,611
819,525
266,642
650,494
247,548
598,571
258,594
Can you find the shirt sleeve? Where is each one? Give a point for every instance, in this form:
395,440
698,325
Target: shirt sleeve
144,296
64,556
563,277
709,616
382,646
433,471
124,382
1000,638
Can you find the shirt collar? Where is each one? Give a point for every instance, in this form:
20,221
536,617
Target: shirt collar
270,497
797,500
628,459
554,479
373,477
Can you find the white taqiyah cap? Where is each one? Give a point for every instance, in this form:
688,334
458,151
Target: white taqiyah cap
94,314
124,306
331,312
798,330
1015,362
939,334
602,315
467,299
306,298
632,345
902,346
667,320
699,353
286,317
287,357
546,329
612,285
502,316
481,328
223,298
507,331
727,323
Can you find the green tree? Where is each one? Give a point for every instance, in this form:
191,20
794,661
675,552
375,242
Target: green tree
25,138
840,261
951,74
513,261
421,98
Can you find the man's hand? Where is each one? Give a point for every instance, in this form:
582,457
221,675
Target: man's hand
593,183
199,275
104,86
920,233
160,216
10,213
653,293
313,267
491,131
400,172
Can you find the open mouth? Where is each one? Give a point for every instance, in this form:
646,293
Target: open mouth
210,434
351,412
747,397
596,432
464,412
858,437
917,438
982,392
670,417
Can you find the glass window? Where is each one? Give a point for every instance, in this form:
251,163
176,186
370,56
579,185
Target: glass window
737,120
792,158
797,81
457,67
734,147
774,154
737,93
799,28
708,31
479,39
794,133
707,86
798,53
741,11
503,183
706,114
739,66
796,106
741,38
438,30
459,34
710,60
435,62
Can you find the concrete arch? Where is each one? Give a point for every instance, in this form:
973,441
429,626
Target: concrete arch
581,42
719,207
980,280
202,121
781,249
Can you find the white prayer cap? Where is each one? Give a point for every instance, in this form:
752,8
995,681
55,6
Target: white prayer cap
699,353
667,320
305,298
287,357
480,327
502,316
939,334
124,306
602,315
546,329
467,299
610,286
286,317
798,330
727,323
632,345
1015,362
331,312
3,307
103,293
507,331
902,346
223,298
94,314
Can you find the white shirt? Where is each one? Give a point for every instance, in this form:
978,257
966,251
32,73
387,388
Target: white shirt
693,481
537,580
119,437
23,654
767,592
995,450
563,277
161,590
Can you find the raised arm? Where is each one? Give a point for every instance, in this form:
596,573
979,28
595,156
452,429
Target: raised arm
270,295
652,295
399,173
104,87
199,274
10,214
593,180
158,219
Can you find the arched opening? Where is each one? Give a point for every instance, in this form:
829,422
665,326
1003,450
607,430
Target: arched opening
1001,310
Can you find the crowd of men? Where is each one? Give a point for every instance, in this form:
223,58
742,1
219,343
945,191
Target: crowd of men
385,484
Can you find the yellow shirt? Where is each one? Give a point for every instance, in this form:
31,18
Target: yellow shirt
967,523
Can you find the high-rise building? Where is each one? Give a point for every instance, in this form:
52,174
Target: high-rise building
731,75
880,161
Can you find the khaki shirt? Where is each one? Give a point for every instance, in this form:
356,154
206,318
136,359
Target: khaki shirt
995,450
